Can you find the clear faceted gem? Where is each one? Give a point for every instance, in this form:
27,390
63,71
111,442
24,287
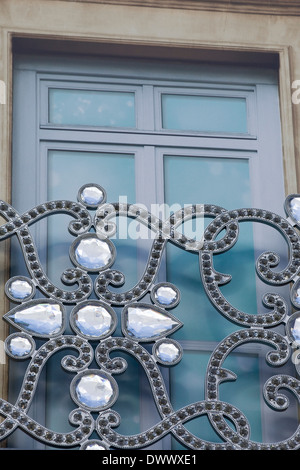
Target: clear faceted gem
93,320
165,295
146,322
92,195
295,329
41,318
295,293
168,352
19,346
94,390
93,253
94,446
295,208
20,289
296,296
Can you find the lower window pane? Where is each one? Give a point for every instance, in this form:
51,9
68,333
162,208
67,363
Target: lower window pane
204,180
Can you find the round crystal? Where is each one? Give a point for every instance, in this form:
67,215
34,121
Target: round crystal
296,296
168,352
19,346
94,390
295,329
92,195
165,295
94,446
93,320
20,289
93,253
295,208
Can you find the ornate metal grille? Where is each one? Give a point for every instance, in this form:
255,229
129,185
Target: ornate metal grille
95,390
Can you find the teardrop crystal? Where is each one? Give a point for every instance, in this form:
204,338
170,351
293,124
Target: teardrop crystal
145,322
41,318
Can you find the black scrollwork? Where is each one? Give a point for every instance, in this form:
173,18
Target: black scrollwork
18,224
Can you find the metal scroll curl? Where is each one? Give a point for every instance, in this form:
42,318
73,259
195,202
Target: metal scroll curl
42,325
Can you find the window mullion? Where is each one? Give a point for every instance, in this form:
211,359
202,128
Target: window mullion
145,195
147,109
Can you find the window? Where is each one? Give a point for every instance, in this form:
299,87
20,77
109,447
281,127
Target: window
164,135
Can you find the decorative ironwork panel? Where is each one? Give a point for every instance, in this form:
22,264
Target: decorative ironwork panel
94,321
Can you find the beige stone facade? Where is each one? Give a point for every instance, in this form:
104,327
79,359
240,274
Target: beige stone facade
248,32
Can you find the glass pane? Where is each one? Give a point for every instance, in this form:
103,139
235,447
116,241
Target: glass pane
204,113
116,173
205,182
91,108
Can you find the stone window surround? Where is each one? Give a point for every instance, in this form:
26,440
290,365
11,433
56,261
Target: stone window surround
281,7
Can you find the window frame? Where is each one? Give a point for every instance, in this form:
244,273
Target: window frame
43,131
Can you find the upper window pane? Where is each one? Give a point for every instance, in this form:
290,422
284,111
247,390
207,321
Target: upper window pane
92,108
204,113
